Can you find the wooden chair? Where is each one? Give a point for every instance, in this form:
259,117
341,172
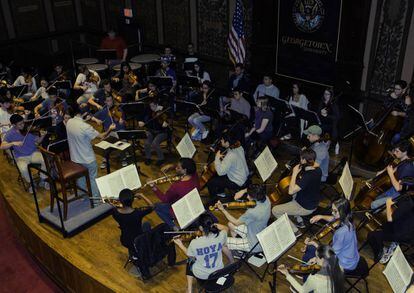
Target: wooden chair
65,173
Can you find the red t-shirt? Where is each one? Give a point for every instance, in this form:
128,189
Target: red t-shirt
178,189
117,44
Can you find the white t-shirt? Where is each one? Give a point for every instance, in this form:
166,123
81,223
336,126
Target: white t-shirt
21,81
4,121
207,251
80,135
81,80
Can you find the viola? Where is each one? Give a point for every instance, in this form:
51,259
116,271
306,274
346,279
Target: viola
303,269
236,205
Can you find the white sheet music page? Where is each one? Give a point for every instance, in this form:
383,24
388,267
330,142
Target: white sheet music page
188,208
185,147
121,145
276,238
103,145
398,272
265,164
130,177
110,185
346,181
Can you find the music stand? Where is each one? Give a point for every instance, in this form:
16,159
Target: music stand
106,54
309,116
58,147
281,107
30,105
18,90
43,122
362,124
161,81
63,85
133,136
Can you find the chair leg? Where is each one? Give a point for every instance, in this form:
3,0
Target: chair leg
89,189
65,203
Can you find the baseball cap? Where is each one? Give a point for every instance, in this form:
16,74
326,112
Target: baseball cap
314,129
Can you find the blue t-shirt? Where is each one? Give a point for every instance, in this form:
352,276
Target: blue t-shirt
345,245
405,169
103,115
207,251
29,146
259,116
256,220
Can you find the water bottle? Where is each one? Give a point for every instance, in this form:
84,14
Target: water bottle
337,148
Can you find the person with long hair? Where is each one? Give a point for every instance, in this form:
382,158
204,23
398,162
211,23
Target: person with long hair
344,242
329,279
205,252
199,72
328,113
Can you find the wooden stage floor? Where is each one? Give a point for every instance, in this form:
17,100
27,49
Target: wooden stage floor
93,260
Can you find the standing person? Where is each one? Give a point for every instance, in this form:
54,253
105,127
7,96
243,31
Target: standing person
328,113
80,134
129,219
321,148
205,252
407,130
231,167
305,189
244,229
112,41
267,88
25,149
186,168
404,169
330,279
344,241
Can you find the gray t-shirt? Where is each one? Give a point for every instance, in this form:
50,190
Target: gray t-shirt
256,220
207,251
322,157
80,135
241,106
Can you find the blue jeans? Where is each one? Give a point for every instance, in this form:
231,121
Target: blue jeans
197,121
163,211
381,200
93,172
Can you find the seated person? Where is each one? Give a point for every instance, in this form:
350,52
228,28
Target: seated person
166,71
27,79
404,169
41,91
128,79
186,168
262,129
156,124
5,106
305,190
267,88
168,55
130,219
147,92
238,104
97,100
205,252
53,106
210,103
328,113
238,79
399,227
199,72
231,167
344,241
88,82
25,149
244,229
330,279
321,148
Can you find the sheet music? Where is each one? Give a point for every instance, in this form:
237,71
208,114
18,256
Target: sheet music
103,145
188,208
265,164
130,177
398,272
185,147
276,238
115,184
120,145
346,181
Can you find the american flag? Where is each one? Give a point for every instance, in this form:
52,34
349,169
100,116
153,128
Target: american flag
236,41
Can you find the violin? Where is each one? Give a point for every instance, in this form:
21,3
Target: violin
236,205
326,229
131,78
116,96
210,170
92,78
303,269
188,236
115,113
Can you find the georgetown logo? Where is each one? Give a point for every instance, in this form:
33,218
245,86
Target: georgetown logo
308,15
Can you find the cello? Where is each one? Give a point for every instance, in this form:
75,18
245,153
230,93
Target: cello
281,194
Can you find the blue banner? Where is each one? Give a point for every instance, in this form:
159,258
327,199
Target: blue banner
308,33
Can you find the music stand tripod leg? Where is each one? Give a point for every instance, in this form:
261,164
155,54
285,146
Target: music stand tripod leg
272,284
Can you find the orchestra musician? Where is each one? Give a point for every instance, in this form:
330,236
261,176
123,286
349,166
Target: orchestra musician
80,134
398,99
26,78
149,91
344,241
168,55
5,114
98,99
128,79
396,173
58,74
231,167
238,79
298,99
244,229
267,88
166,71
304,186
398,228
205,252
199,72
112,41
54,105
156,123
186,168
130,219
407,129
328,113
320,147
329,279
88,82
24,145
262,130
197,119
41,91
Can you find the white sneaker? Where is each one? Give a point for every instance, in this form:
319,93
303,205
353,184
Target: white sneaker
222,195
388,252
286,137
204,134
123,163
103,164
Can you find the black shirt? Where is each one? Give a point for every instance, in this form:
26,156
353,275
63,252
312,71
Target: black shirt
309,195
130,224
